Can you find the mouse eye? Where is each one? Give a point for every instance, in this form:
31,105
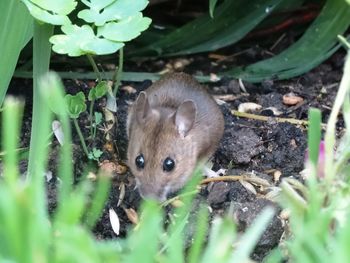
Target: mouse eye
168,164
140,161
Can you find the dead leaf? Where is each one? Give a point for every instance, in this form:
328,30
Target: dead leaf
292,99
121,194
225,97
58,131
249,107
129,89
132,215
248,186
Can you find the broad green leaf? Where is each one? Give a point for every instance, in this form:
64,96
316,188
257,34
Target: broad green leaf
318,43
100,46
79,41
232,21
99,91
62,7
118,10
45,16
75,104
126,29
97,4
16,30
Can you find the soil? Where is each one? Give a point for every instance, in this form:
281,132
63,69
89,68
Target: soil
270,149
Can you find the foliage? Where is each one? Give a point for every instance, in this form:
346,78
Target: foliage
75,104
16,30
28,233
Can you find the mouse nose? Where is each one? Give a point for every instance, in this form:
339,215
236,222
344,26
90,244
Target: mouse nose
151,192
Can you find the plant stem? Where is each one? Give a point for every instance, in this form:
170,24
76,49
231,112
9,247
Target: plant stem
99,78
91,117
117,77
81,137
330,132
95,68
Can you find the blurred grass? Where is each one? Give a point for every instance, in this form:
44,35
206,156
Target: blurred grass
16,30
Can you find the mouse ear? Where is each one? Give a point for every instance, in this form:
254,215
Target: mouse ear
142,107
185,116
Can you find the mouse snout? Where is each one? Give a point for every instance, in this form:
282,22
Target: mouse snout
152,192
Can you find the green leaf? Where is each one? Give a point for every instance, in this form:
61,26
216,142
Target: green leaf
231,22
79,41
98,117
46,16
126,29
97,4
212,4
118,10
317,44
314,135
75,104
99,91
252,235
62,7
100,46
16,30
95,154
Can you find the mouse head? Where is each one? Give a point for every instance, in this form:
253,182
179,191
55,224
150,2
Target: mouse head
162,152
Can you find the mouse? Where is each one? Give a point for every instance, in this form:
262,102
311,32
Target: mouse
171,127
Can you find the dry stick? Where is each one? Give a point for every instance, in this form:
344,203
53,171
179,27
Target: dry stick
247,178
277,119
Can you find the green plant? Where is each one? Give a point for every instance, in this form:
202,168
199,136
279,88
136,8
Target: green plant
319,211
28,233
76,105
105,26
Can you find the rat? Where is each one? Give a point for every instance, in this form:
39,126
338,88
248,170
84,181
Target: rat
172,126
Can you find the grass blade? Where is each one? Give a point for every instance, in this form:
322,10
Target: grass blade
16,30
252,235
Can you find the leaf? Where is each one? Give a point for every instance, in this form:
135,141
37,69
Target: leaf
98,117
212,4
16,30
75,104
118,10
62,7
79,41
231,22
97,4
126,29
46,16
99,91
95,154
317,44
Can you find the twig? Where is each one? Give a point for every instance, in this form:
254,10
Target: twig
245,177
277,119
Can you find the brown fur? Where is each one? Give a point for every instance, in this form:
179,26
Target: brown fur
152,132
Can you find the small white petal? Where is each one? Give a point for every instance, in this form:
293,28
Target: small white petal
57,130
114,219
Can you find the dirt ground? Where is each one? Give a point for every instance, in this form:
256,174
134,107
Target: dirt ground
266,149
